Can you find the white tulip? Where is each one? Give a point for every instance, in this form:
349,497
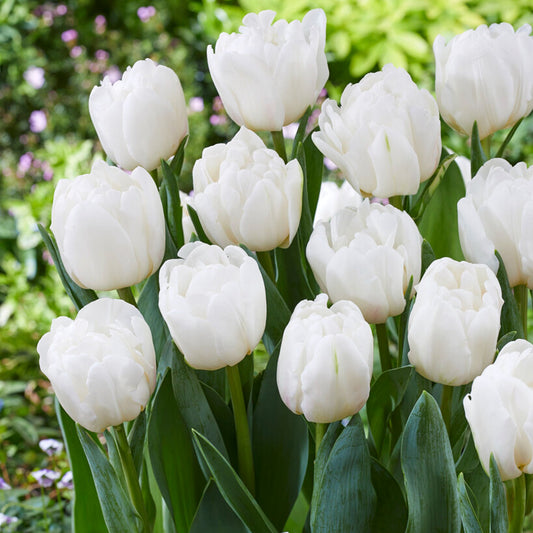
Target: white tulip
141,118
333,198
109,227
485,75
500,411
497,214
102,364
325,360
244,193
385,136
214,304
269,74
455,321
367,255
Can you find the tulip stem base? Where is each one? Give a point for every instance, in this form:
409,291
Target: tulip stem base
397,202
244,443
515,490
126,294
279,144
446,401
265,259
383,345
521,296
320,431
485,144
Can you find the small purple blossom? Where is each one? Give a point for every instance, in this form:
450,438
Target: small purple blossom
61,10
217,120
34,76
146,13
217,104
4,485
66,481
45,477
25,162
6,519
51,446
101,55
76,51
48,173
196,104
329,164
69,36
113,73
38,121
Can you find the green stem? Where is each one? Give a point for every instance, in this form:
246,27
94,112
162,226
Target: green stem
127,295
485,144
244,444
265,259
521,297
396,201
130,473
446,406
320,431
383,345
516,503
279,144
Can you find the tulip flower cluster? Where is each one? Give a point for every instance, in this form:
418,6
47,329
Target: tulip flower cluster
260,293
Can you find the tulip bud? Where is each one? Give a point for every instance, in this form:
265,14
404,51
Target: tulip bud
385,136
485,75
214,304
455,320
497,214
269,74
500,411
244,193
101,364
325,360
367,255
333,198
141,118
109,227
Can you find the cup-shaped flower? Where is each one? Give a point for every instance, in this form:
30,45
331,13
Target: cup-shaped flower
497,214
485,75
244,193
367,255
333,198
325,360
267,75
385,136
101,364
141,118
214,303
109,227
500,411
455,320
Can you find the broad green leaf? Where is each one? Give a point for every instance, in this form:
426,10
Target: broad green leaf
119,514
300,133
280,449
324,450
174,463
232,488
177,161
478,485
429,470
345,499
498,504
136,440
197,225
510,319
172,203
428,256
114,458
314,168
468,515
477,155
87,514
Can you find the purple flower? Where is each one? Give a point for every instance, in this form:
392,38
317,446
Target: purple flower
48,173
61,10
217,104
146,13
217,120
329,164
196,104
113,73
34,76
51,446
76,51
66,481
38,121
5,519
100,20
69,35
25,162
4,485
101,55
45,477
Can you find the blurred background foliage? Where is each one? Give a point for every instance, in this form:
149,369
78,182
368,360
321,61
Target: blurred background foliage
53,53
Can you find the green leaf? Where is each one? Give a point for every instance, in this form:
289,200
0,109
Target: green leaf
510,319
468,515
172,202
300,133
429,470
345,499
232,488
87,514
174,463
197,225
508,138
279,438
119,514
177,161
428,256
136,440
477,155
498,504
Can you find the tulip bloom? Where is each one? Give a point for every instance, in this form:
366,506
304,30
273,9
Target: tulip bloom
214,304
333,198
101,364
244,193
109,227
367,255
385,136
269,74
141,118
497,214
485,75
500,411
325,360
455,320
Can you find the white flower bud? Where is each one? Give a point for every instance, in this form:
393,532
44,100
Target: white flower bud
244,193
385,136
109,227
269,74
500,411
455,320
325,360
214,304
367,255
141,118
102,364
